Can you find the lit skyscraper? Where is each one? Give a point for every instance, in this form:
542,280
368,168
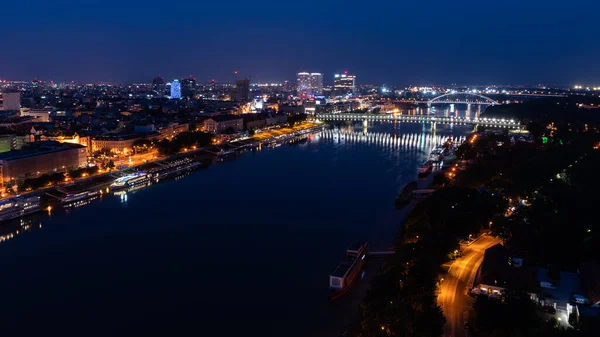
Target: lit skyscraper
175,89
343,84
309,84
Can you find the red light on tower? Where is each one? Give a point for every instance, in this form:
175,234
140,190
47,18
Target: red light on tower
346,72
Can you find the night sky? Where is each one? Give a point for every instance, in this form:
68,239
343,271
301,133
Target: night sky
382,42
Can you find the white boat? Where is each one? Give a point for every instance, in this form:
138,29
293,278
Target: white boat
14,208
70,198
131,180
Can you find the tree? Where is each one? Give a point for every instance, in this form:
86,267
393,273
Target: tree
293,119
110,165
142,145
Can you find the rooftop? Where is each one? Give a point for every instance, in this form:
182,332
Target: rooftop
223,118
38,148
496,270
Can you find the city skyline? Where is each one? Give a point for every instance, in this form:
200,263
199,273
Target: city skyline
391,43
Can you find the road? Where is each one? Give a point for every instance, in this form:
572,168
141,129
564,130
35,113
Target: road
453,296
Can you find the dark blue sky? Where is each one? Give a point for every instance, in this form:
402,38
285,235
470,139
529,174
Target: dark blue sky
394,42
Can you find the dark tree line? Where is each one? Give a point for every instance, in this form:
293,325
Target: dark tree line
184,140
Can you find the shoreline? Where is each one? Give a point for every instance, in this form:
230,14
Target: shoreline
202,156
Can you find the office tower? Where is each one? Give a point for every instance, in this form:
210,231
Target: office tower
309,84
158,85
188,86
343,84
11,101
241,91
175,89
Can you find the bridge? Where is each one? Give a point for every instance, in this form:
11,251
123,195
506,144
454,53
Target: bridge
471,98
488,122
457,98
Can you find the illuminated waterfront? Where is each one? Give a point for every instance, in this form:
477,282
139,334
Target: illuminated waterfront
251,241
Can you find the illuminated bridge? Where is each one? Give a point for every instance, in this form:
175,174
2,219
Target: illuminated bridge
488,122
458,98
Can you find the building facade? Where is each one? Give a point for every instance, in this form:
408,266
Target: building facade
175,89
344,84
41,115
309,84
218,124
40,158
118,144
188,87
158,85
241,91
11,101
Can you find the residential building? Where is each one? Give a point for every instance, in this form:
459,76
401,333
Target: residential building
172,130
116,143
501,270
219,124
39,158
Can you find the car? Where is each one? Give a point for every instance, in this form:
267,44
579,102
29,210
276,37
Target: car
549,309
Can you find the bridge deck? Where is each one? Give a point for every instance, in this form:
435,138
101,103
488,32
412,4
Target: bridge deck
497,122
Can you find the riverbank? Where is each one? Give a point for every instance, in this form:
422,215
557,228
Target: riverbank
204,156
427,235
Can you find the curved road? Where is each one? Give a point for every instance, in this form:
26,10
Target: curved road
453,296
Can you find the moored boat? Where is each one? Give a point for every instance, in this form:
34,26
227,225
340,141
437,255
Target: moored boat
71,198
349,270
14,208
405,195
130,180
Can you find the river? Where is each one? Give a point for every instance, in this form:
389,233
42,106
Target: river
244,247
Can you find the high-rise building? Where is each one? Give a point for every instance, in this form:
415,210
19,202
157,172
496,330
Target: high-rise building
36,86
309,84
343,84
158,85
241,92
188,86
175,89
11,101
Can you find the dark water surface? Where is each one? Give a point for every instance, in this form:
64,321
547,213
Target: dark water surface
242,248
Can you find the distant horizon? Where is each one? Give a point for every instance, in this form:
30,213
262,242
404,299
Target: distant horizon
252,81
